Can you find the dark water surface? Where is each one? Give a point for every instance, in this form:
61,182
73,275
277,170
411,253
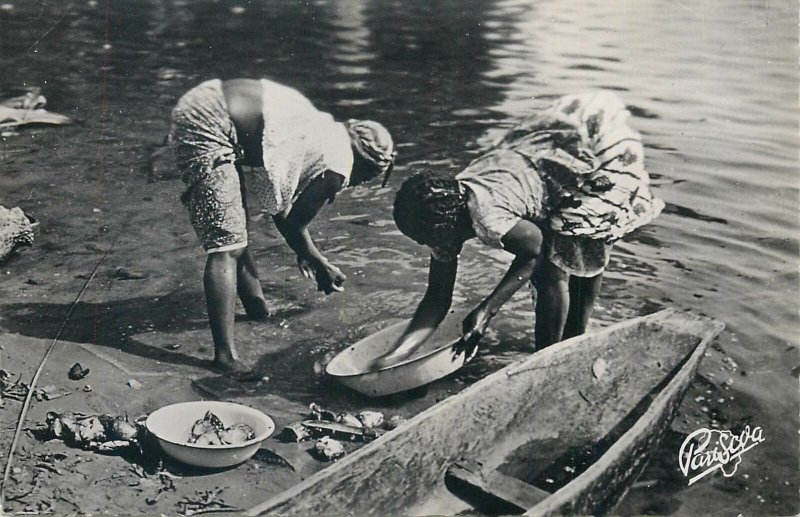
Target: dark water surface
713,89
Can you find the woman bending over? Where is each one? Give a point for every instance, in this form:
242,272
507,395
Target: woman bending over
302,158
556,192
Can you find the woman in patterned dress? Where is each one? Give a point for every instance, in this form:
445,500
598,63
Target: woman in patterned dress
301,157
557,191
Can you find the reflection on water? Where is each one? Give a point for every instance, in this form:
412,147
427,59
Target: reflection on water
711,85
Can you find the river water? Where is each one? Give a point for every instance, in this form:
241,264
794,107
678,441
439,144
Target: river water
712,86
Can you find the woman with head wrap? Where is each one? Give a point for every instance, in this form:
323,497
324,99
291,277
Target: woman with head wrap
557,191
301,158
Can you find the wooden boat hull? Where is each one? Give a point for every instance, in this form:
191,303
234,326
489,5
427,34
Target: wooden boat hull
577,391
603,485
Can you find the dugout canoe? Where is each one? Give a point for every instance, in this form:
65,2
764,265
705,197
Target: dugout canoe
563,432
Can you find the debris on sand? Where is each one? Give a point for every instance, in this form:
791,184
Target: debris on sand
101,433
28,109
50,393
125,274
341,431
319,413
77,372
349,419
363,426
16,229
11,389
119,429
18,390
295,432
134,384
394,422
328,449
164,482
367,419
272,458
370,419
205,501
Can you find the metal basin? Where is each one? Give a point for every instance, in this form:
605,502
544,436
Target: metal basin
433,360
172,426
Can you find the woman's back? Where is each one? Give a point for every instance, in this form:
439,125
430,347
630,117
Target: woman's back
244,99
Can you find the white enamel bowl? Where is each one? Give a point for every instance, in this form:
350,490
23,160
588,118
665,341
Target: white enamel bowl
432,361
172,425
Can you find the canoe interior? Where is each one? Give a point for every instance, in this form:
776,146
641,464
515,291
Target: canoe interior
529,420
550,463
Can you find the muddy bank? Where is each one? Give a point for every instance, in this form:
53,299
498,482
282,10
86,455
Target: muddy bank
49,475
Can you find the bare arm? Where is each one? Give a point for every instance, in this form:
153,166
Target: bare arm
430,312
525,241
294,228
435,304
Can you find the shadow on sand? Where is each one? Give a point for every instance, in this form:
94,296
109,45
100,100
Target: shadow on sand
115,324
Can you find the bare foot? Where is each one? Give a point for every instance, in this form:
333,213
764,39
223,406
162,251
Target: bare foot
256,308
236,370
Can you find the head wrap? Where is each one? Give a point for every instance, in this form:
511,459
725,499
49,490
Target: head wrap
427,208
374,143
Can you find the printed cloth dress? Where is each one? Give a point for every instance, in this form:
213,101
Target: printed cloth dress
298,144
576,169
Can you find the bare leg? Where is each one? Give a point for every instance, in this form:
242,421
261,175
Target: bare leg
219,282
248,287
552,303
583,293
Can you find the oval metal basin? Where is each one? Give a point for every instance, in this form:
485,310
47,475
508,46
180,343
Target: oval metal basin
172,425
433,360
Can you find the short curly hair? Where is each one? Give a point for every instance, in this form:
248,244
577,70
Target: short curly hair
428,206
